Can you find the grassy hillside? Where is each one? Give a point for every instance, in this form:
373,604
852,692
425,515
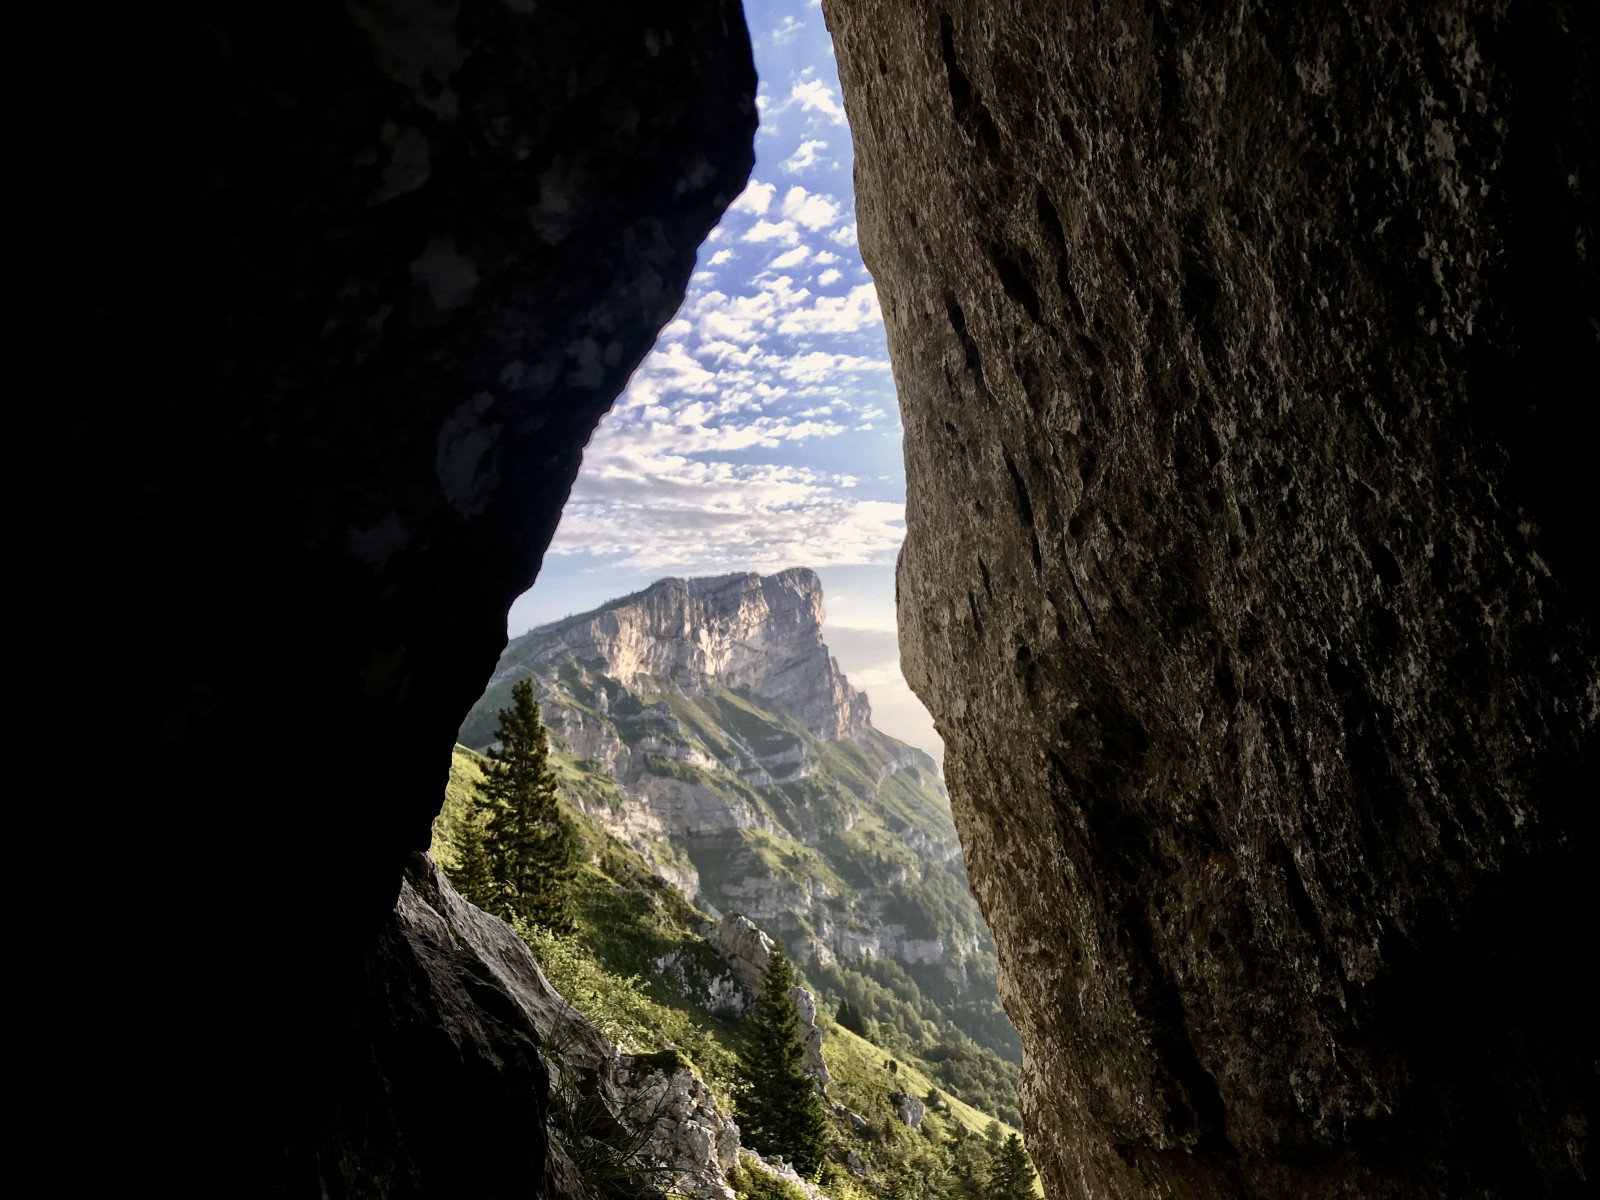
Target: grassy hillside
844,845
639,968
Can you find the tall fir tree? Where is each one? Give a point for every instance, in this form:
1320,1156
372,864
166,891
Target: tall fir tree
780,1111
466,831
1011,1175
531,845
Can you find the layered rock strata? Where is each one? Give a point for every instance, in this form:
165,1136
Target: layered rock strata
1242,352
344,289
761,634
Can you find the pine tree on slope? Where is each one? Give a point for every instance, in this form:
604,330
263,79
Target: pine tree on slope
780,1112
531,844
1011,1176
466,830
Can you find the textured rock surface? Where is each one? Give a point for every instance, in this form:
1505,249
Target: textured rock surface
455,1007
1242,352
756,633
911,1110
443,1072
813,1064
746,950
343,289
691,1137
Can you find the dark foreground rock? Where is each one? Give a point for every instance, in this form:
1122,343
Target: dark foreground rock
1243,353
446,1061
337,294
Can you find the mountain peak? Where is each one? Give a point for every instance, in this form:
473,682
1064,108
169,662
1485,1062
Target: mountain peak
761,634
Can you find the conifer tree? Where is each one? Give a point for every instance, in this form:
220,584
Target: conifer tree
473,874
850,1018
780,1111
1011,1176
531,845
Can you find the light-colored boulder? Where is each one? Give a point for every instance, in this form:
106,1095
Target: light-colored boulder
814,1064
911,1110
745,948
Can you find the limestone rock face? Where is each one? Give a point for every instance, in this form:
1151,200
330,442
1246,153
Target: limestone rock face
746,950
911,1110
813,1064
344,289
694,1138
758,633
1248,575
460,1023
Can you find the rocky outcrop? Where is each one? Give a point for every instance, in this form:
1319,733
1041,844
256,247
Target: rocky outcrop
753,633
688,1135
1248,576
344,289
910,1110
813,1064
746,949
466,1013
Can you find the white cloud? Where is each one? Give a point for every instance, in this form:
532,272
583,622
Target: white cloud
836,314
788,31
754,199
815,96
825,257
818,365
812,209
660,511
804,157
770,231
830,276
720,257
845,235
790,258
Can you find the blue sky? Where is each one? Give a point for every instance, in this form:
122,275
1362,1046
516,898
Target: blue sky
762,432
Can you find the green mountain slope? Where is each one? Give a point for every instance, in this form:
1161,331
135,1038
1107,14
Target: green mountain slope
640,969
703,725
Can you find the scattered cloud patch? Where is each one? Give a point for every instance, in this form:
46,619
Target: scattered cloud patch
836,314
790,258
812,209
720,257
827,278
812,95
755,199
787,31
803,158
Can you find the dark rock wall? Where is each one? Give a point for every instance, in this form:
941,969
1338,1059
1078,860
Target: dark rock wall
1243,352
337,294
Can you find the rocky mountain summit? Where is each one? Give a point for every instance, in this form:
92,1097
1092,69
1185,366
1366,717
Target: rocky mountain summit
704,723
752,633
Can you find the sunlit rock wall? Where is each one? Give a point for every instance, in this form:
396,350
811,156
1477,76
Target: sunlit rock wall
1243,352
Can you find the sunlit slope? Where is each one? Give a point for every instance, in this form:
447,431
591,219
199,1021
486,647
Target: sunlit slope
843,846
